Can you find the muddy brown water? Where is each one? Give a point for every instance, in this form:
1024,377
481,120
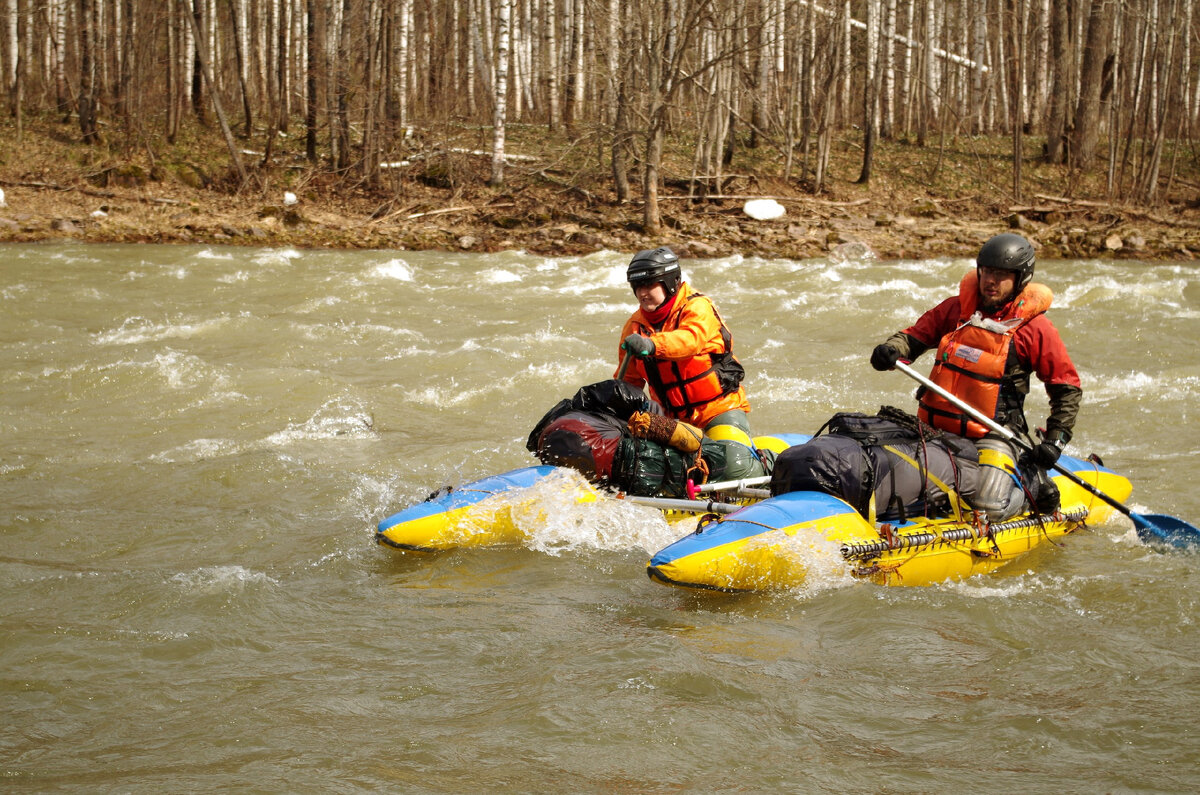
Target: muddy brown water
198,442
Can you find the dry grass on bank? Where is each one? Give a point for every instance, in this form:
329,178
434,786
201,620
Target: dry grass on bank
939,199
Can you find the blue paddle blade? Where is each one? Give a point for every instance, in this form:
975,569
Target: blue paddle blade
1165,530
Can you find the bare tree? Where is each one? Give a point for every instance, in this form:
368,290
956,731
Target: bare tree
1086,132
500,95
216,99
310,83
871,92
639,80
1062,81
237,19
1017,71
10,63
665,38
87,94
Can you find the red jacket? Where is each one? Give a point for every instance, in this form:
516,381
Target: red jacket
1036,348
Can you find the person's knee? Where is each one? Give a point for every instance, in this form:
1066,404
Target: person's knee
732,424
999,494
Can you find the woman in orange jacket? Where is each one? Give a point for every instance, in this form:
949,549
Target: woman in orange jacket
682,349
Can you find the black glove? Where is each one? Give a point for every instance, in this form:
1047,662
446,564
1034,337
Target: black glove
1045,454
638,345
884,357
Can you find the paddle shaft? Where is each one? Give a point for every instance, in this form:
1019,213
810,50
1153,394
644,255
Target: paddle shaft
674,504
624,366
1007,434
726,485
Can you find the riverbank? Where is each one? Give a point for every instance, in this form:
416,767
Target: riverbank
920,202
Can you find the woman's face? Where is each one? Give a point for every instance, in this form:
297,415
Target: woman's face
650,296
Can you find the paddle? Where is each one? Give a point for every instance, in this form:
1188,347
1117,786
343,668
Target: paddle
742,486
1152,527
624,366
676,504
624,363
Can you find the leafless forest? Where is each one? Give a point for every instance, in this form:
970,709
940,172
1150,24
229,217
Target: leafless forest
1110,85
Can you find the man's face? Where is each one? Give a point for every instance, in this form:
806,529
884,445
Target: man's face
995,287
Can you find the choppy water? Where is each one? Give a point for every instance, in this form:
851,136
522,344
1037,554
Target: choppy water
198,442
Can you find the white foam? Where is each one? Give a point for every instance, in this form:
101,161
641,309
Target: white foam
198,450
499,276
276,256
137,329
393,269
555,522
184,371
221,578
340,418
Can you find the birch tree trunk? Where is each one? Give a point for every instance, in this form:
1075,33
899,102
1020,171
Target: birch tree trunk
1040,25
472,36
238,19
612,56
404,66
500,95
847,51
1185,77
575,74
550,64
62,94
871,90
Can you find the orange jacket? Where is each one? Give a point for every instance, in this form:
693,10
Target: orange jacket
971,359
695,375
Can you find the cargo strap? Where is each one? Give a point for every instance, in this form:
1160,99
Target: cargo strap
955,500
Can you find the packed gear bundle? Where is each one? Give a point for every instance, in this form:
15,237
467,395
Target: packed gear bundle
888,467
615,436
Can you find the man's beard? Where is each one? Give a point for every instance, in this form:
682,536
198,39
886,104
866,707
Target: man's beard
991,306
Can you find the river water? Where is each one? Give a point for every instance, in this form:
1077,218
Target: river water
198,442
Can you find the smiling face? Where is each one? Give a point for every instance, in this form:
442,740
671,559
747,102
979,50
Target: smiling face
650,296
996,287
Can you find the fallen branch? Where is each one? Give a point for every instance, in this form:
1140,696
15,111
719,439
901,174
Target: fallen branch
794,199
565,185
1079,202
102,194
1123,209
1046,209
481,153
447,210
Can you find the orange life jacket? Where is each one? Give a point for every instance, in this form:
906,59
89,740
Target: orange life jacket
691,388
971,359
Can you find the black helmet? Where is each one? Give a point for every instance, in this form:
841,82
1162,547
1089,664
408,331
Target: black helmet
1008,252
658,265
